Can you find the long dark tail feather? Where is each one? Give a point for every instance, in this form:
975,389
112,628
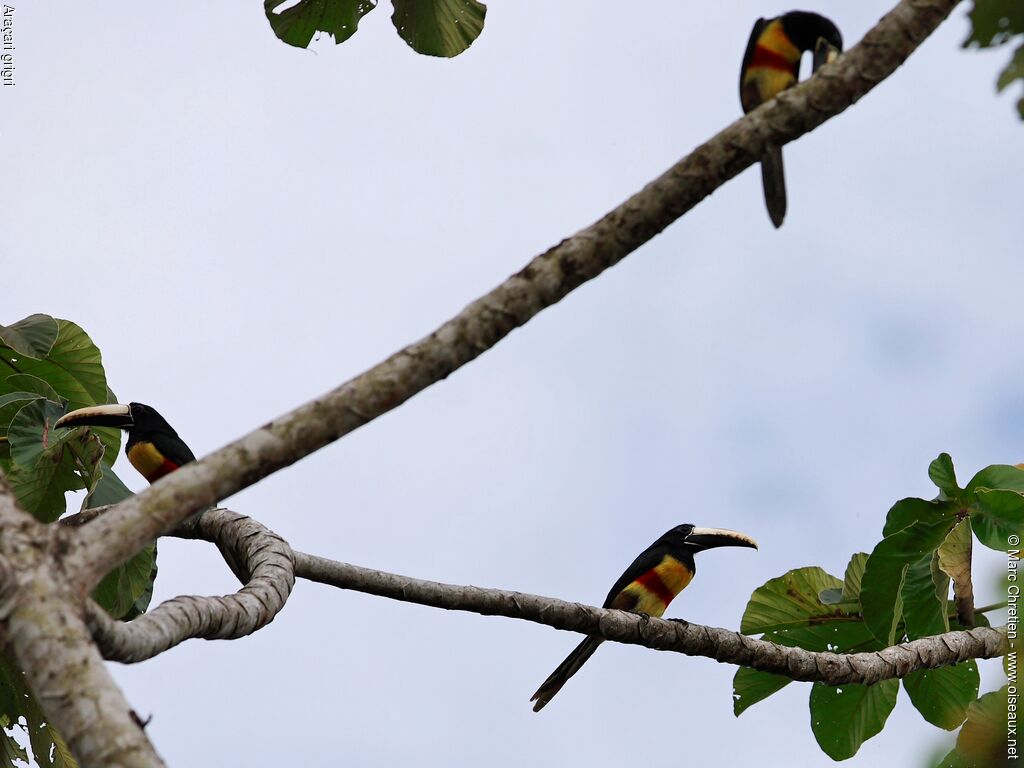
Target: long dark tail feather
565,670
774,185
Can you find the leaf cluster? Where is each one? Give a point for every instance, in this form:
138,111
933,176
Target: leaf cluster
47,367
900,591
432,27
995,23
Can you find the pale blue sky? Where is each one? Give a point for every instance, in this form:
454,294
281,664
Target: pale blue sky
303,215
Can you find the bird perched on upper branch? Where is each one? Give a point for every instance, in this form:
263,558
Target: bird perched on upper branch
771,64
153,447
647,586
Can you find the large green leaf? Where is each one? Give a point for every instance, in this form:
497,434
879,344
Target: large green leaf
10,404
47,463
439,27
31,432
844,717
40,490
790,601
998,519
127,590
26,382
1002,476
750,686
906,512
73,366
886,569
31,337
924,597
121,589
297,25
943,695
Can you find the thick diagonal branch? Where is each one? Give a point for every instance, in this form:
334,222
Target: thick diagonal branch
260,552
681,637
543,282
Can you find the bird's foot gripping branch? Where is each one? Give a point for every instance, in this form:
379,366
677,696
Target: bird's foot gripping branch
898,593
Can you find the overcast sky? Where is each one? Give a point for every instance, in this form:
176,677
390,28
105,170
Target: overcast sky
241,225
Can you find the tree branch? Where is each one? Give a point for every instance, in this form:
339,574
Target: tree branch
544,281
43,634
665,635
259,551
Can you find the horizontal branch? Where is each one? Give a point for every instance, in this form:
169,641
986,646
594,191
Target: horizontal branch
665,635
259,551
548,278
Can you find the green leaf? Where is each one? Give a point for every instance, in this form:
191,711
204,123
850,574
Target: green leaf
41,742
40,490
998,509
853,576
1001,476
750,686
982,740
26,382
297,25
141,604
31,337
999,516
72,366
924,595
844,717
943,475
10,751
994,22
62,757
12,691
31,432
906,512
954,560
10,404
120,589
108,490
943,695
789,601
886,570
45,464
439,27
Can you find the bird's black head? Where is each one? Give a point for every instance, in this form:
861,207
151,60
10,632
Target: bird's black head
804,29
695,539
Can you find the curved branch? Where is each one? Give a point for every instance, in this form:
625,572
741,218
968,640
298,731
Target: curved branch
259,551
543,282
665,635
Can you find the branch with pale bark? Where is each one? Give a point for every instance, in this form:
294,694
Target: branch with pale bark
543,282
263,555
666,635
47,572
